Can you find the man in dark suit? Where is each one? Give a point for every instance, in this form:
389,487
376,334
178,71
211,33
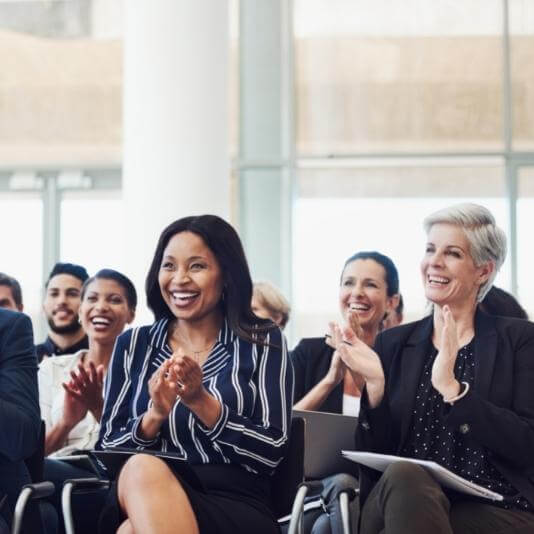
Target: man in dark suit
19,406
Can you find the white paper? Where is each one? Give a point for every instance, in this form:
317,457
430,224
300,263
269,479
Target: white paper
441,474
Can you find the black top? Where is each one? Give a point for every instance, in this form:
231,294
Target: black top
49,348
496,415
430,439
311,360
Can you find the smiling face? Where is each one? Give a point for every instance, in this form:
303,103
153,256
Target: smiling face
190,278
449,273
104,311
364,289
62,302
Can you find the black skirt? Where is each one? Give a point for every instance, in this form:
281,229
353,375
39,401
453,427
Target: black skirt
228,500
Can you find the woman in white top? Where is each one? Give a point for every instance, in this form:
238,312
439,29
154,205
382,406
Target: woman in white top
70,386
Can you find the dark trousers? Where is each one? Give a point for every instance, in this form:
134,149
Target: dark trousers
407,500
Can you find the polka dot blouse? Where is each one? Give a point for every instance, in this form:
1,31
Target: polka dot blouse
431,439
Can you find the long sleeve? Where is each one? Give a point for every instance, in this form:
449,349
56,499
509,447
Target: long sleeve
508,432
253,383
298,360
118,422
258,441
19,401
46,391
374,430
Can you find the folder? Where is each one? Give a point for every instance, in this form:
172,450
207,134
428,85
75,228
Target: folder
442,475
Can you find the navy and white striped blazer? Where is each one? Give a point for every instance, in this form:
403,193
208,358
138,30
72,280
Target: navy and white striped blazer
253,382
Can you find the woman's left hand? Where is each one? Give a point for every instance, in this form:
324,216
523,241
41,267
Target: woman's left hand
191,390
188,376
443,378
86,386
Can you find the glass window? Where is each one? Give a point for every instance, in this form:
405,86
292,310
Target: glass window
379,76
522,72
62,85
342,211
92,230
525,224
22,246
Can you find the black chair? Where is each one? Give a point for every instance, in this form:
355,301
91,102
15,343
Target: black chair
288,476
29,514
315,503
286,480
345,497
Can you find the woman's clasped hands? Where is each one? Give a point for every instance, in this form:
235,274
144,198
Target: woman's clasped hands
358,357
178,377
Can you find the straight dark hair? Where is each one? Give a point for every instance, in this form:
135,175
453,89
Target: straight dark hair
392,275
121,279
221,238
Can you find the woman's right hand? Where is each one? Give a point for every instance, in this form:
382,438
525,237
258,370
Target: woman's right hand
163,389
361,359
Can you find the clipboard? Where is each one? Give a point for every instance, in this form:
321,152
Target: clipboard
441,474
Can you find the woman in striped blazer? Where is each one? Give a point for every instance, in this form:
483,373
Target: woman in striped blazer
208,382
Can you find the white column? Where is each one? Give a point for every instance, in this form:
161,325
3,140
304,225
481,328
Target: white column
266,138
175,160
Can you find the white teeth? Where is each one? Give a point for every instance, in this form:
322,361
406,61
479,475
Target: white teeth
101,320
359,306
183,295
438,279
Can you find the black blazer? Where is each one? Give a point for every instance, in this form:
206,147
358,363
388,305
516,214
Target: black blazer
311,360
20,419
498,412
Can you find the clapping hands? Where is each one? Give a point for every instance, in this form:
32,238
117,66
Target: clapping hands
84,392
358,357
443,379
179,376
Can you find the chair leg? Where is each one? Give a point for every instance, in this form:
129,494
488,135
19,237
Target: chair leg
38,490
20,506
297,511
66,508
345,512
77,485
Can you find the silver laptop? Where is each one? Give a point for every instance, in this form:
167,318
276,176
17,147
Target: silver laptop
325,436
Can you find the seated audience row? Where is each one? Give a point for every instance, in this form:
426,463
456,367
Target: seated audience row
212,384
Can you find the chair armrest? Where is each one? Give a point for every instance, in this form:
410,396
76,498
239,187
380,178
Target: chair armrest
297,511
78,485
86,485
38,490
345,496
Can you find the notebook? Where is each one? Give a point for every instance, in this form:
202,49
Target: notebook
325,436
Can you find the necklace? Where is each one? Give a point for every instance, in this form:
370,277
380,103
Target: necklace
188,348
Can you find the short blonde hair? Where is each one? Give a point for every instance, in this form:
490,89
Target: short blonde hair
271,298
487,241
